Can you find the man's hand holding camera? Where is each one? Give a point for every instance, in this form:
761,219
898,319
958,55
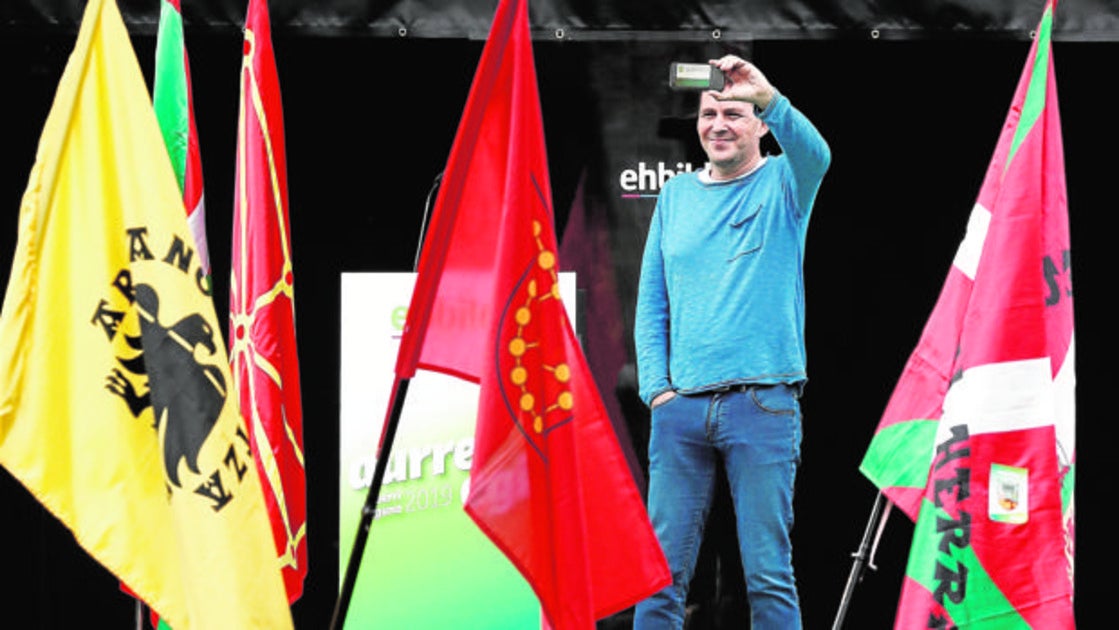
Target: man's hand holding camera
744,82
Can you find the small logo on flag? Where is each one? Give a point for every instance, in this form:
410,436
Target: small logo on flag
1009,494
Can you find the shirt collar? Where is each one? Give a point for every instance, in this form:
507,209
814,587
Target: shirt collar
705,174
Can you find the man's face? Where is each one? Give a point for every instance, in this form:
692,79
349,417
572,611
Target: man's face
730,134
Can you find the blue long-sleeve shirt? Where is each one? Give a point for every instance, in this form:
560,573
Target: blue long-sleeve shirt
721,296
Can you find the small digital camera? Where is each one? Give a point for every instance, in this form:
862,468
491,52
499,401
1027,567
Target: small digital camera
695,76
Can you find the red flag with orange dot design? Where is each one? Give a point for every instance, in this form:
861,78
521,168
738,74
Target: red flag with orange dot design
549,484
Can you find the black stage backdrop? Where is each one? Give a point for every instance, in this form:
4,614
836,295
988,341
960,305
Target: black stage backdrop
912,123
1080,20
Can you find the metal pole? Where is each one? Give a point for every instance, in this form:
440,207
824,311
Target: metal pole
388,434
863,557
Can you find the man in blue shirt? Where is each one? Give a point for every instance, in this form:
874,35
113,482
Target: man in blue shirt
719,334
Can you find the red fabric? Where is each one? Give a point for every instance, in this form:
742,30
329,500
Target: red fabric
1007,317
263,355
192,179
1018,309
1025,190
924,382
550,485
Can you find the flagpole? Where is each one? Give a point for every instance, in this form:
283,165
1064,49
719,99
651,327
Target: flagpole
388,434
864,557
427,212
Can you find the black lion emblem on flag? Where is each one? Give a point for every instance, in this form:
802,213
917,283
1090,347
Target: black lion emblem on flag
186,396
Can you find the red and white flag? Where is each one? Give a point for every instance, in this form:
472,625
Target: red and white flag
977,443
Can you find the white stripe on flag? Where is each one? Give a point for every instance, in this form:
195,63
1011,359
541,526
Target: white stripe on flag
197,220
1000,397
967,256
1064,389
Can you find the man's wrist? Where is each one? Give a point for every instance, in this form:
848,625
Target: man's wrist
764,101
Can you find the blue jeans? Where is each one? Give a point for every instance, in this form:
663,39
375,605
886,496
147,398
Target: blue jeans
757,432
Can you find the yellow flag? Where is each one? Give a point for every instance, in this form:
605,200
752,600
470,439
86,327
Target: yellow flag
116,408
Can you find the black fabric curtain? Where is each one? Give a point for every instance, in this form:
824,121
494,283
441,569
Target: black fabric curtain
1082,20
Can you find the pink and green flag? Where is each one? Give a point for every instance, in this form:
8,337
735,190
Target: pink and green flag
977,442
174,109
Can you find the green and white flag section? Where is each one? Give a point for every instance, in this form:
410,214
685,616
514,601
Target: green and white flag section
174,108
977,442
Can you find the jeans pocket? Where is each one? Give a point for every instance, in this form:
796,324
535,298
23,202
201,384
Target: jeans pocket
665,402
775,399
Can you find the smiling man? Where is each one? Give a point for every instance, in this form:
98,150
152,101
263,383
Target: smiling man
731,134
719,335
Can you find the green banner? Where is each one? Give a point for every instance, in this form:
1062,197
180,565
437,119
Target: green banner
425,563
